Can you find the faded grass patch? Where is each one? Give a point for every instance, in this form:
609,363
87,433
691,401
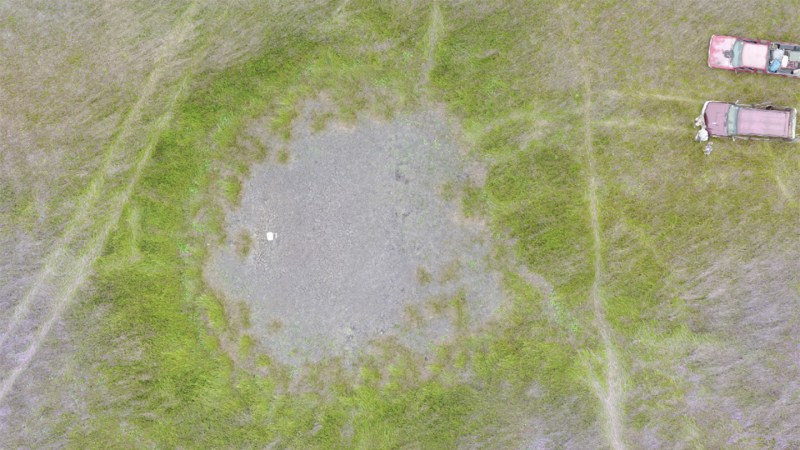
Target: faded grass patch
675,227
244,243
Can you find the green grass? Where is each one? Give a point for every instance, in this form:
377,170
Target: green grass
283,156
666,214
188,391
244,243
423,276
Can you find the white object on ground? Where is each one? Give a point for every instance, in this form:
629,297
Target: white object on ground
702,135
271,236
708,149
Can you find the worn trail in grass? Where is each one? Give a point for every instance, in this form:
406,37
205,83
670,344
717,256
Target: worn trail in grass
75,252
606,375
82,267
577,181
435,29
609,388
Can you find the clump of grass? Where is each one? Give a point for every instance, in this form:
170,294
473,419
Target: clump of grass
244,315
413,316
438,304
450,272
246,346
244,243
458,304
232,190
423,276
22,208
274,326
283,156
449,191
319,120
282,122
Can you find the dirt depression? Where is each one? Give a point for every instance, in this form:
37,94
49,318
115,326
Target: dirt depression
367,242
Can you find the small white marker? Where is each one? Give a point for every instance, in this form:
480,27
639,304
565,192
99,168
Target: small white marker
271,236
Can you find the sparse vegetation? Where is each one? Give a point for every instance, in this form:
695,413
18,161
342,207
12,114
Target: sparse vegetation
275,326
320,120
450,272
231,189
244,243
449,191
413,316
697,272
283,156
246,345
423,276
244,315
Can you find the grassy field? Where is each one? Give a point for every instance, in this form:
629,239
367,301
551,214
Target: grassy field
654,289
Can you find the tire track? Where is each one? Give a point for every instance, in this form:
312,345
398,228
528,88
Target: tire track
435,29
614,123
339,11
68,265
609,388
83,218
84,264
607,380
648,95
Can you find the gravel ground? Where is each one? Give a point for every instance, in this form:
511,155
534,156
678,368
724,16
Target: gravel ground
357,212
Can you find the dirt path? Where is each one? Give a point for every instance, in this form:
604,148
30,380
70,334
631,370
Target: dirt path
614,123
82,267
340,9
606,380
68,265
435,30
650,95
84,216
609,387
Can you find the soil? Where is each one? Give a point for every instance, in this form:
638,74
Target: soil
365,241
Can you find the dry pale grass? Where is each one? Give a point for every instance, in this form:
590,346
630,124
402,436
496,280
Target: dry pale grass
83,84
72,73
699,256
676,229
708,243
74,76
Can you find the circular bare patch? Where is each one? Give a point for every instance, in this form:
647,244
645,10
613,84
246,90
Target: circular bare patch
357,237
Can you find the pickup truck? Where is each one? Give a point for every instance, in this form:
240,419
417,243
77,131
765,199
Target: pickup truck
739,121
754,56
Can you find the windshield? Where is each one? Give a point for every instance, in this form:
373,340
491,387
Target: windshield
732,120
736,58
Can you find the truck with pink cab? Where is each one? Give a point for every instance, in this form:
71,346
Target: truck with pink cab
739,121
754,56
